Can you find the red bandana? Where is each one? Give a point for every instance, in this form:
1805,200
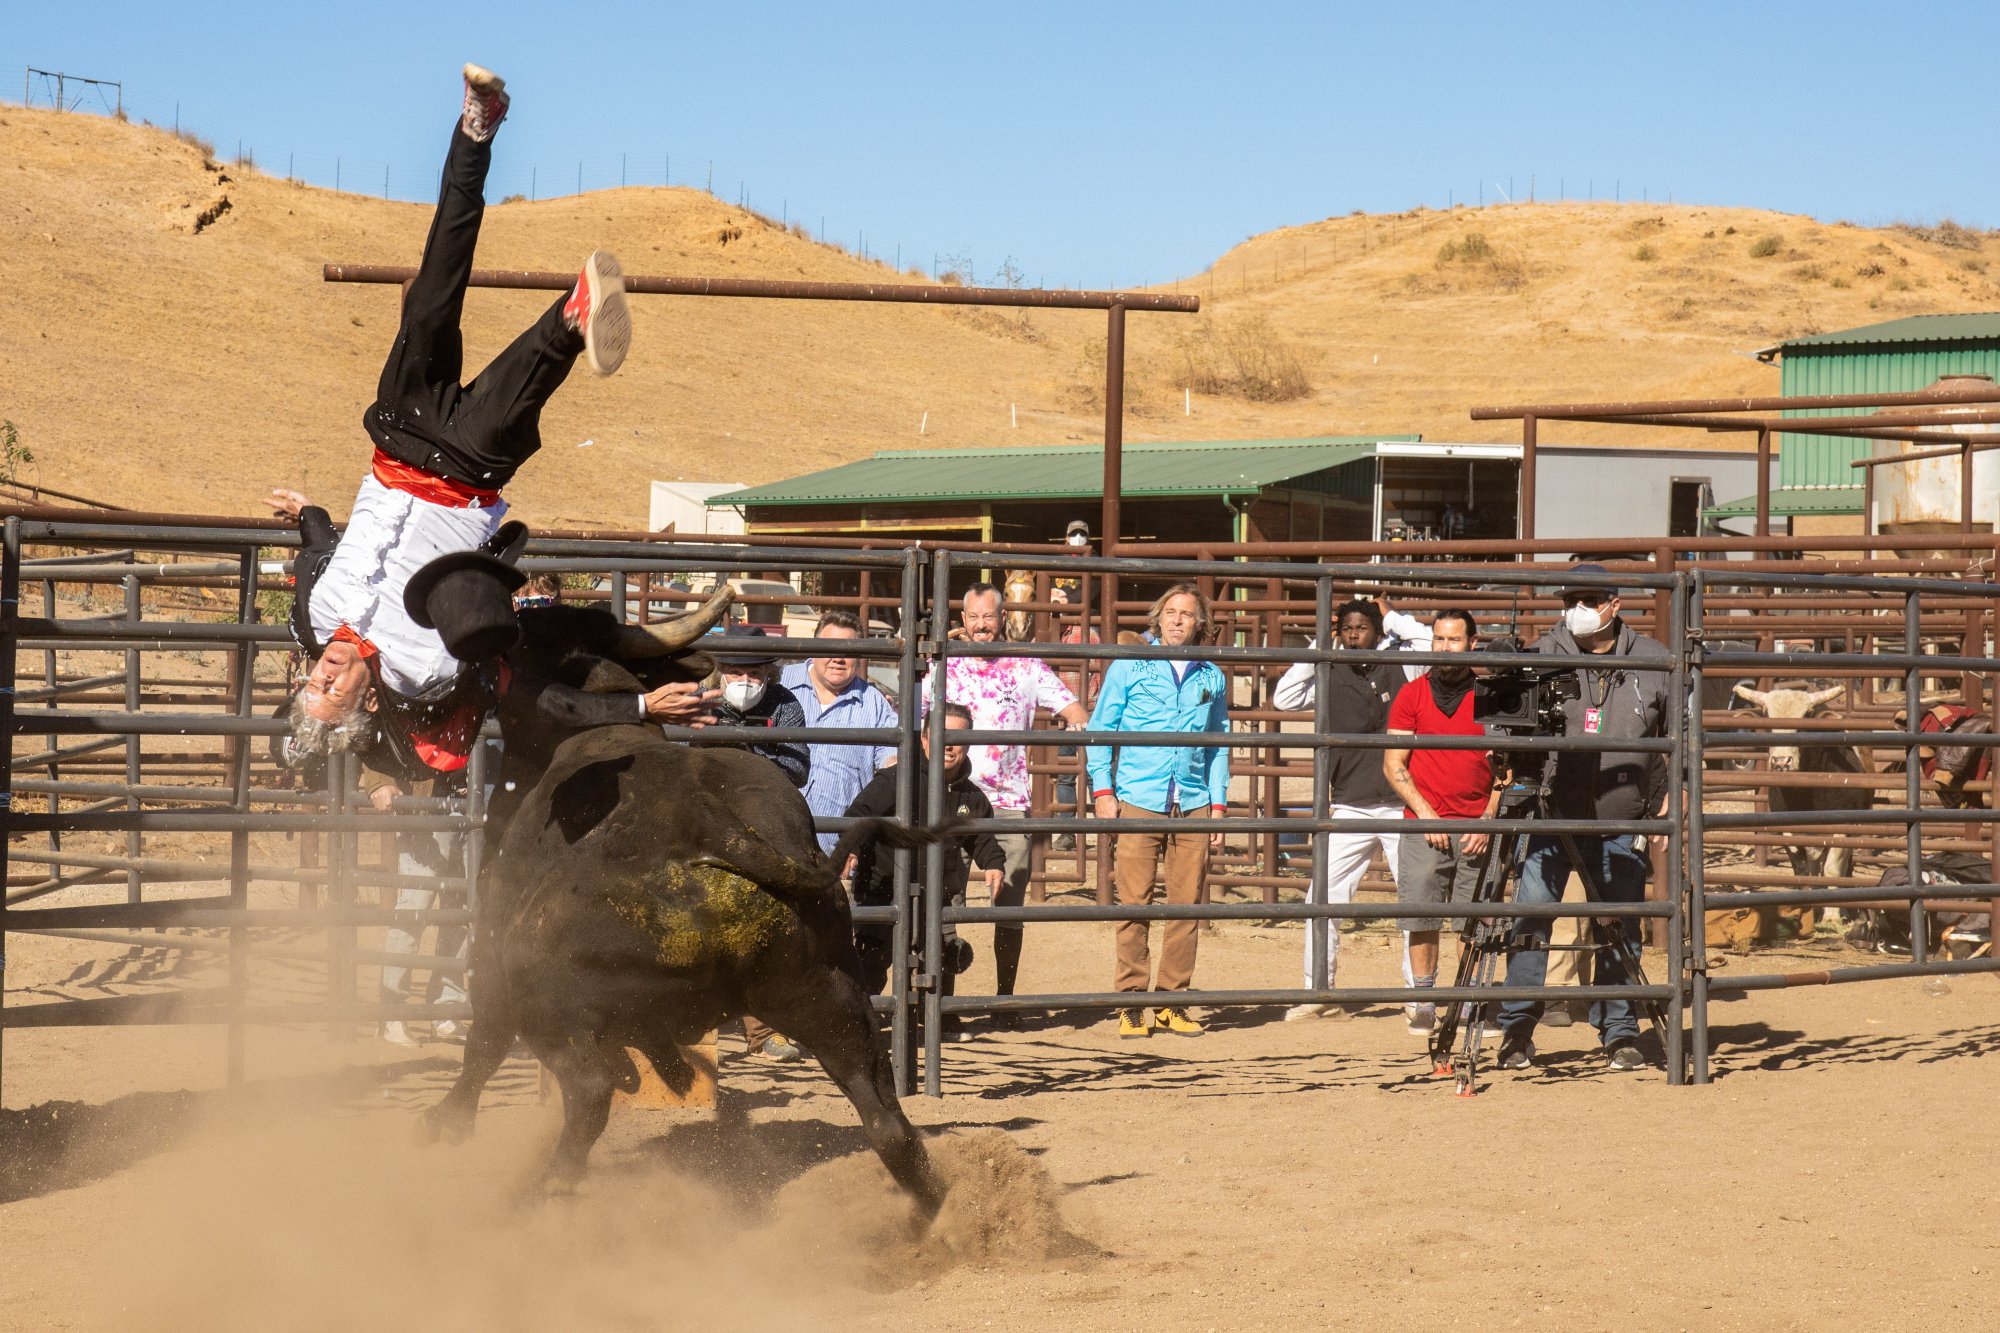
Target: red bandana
369,652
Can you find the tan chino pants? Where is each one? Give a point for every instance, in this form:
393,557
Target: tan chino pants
1138,859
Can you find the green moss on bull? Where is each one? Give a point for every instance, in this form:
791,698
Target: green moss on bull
701,914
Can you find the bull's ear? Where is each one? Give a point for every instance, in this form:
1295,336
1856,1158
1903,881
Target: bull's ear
1757,697
1820,698
604,677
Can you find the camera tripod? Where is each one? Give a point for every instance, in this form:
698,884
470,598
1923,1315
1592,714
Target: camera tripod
1484,941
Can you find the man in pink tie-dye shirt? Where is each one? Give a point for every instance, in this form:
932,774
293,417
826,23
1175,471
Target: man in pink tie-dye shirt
1003,693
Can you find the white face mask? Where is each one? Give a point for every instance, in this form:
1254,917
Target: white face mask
742,695
1584,621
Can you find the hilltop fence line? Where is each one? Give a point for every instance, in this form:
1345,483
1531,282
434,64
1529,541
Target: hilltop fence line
664,167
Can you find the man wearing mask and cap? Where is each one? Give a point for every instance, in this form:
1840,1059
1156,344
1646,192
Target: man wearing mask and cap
1616,701
746,673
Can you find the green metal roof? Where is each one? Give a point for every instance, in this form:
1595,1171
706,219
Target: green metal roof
1063,471
1794,501
1914,329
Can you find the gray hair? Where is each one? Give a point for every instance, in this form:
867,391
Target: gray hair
311,736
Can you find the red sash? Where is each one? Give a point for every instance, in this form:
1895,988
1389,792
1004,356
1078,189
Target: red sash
400,476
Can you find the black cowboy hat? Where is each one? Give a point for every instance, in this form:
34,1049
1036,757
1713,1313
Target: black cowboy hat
468,598
738,646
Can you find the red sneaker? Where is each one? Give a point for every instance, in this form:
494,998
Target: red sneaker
485,103
597,310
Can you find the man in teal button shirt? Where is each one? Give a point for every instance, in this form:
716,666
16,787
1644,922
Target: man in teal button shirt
1181,782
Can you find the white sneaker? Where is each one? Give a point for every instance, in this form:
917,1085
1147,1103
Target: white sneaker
596,309
485,103
1421,1018
396,1034
1299,1013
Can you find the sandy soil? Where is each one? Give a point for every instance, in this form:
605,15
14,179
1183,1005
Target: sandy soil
165,365
1267,1175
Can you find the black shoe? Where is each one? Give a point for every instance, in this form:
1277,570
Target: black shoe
1624,1055
1517,1053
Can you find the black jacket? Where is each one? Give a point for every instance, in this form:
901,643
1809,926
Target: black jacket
317,538
875,876
778,708
1631,704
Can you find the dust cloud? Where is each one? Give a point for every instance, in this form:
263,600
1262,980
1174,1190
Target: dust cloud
310,1220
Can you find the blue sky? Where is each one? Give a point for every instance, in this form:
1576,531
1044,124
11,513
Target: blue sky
1092,143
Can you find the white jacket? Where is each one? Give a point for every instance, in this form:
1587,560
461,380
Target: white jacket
1399,630
389,537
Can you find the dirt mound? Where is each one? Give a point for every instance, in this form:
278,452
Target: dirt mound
1002,1208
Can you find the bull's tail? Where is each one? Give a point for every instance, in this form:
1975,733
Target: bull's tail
889,834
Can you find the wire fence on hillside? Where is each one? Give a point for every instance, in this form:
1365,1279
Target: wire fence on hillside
662,166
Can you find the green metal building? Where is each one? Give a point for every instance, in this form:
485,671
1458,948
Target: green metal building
1323,488
1899,356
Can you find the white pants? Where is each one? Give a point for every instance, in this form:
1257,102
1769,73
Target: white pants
451,940
1347,858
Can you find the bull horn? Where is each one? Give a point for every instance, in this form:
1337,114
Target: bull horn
1757,697
673,636
1825,696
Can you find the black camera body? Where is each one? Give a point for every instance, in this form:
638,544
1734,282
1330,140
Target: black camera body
1523,701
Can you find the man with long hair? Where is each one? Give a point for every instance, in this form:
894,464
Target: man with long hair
1174,782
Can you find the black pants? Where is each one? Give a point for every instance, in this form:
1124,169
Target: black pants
875,943
479,433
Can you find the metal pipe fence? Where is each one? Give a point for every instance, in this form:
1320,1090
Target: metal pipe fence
171,710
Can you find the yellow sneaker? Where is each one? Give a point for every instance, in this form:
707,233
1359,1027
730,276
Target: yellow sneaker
1132,1023
1176,1021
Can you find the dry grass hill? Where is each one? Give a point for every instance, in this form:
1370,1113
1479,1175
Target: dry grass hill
171,344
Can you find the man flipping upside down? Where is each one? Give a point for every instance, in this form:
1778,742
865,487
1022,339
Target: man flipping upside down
443,452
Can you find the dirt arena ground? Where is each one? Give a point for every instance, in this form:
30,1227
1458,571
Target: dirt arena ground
1268,1175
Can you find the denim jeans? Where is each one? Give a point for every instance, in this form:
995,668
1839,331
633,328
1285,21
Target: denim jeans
1620,874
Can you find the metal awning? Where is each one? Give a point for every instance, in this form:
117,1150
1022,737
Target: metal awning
1065,472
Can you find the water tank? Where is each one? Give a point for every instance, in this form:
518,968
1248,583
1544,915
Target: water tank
1924,496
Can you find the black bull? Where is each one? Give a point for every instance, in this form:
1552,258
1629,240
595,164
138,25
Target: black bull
641,894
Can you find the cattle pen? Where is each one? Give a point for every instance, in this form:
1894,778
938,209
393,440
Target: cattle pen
160,830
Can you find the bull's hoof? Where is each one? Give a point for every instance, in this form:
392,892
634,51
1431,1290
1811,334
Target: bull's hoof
443,1122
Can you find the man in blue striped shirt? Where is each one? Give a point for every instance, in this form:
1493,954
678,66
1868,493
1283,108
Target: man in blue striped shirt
834,693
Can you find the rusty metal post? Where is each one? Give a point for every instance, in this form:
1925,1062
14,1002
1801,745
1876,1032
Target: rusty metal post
243,680
1965,489
1110,518
1274,635
1527,532
1764,481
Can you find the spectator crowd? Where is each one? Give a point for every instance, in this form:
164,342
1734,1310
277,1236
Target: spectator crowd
1181,791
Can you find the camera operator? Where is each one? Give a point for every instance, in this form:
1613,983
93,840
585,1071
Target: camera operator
1437,868
1615,701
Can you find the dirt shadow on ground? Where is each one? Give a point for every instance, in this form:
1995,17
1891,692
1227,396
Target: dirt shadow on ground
1759,1046
61,1145
1053,1065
